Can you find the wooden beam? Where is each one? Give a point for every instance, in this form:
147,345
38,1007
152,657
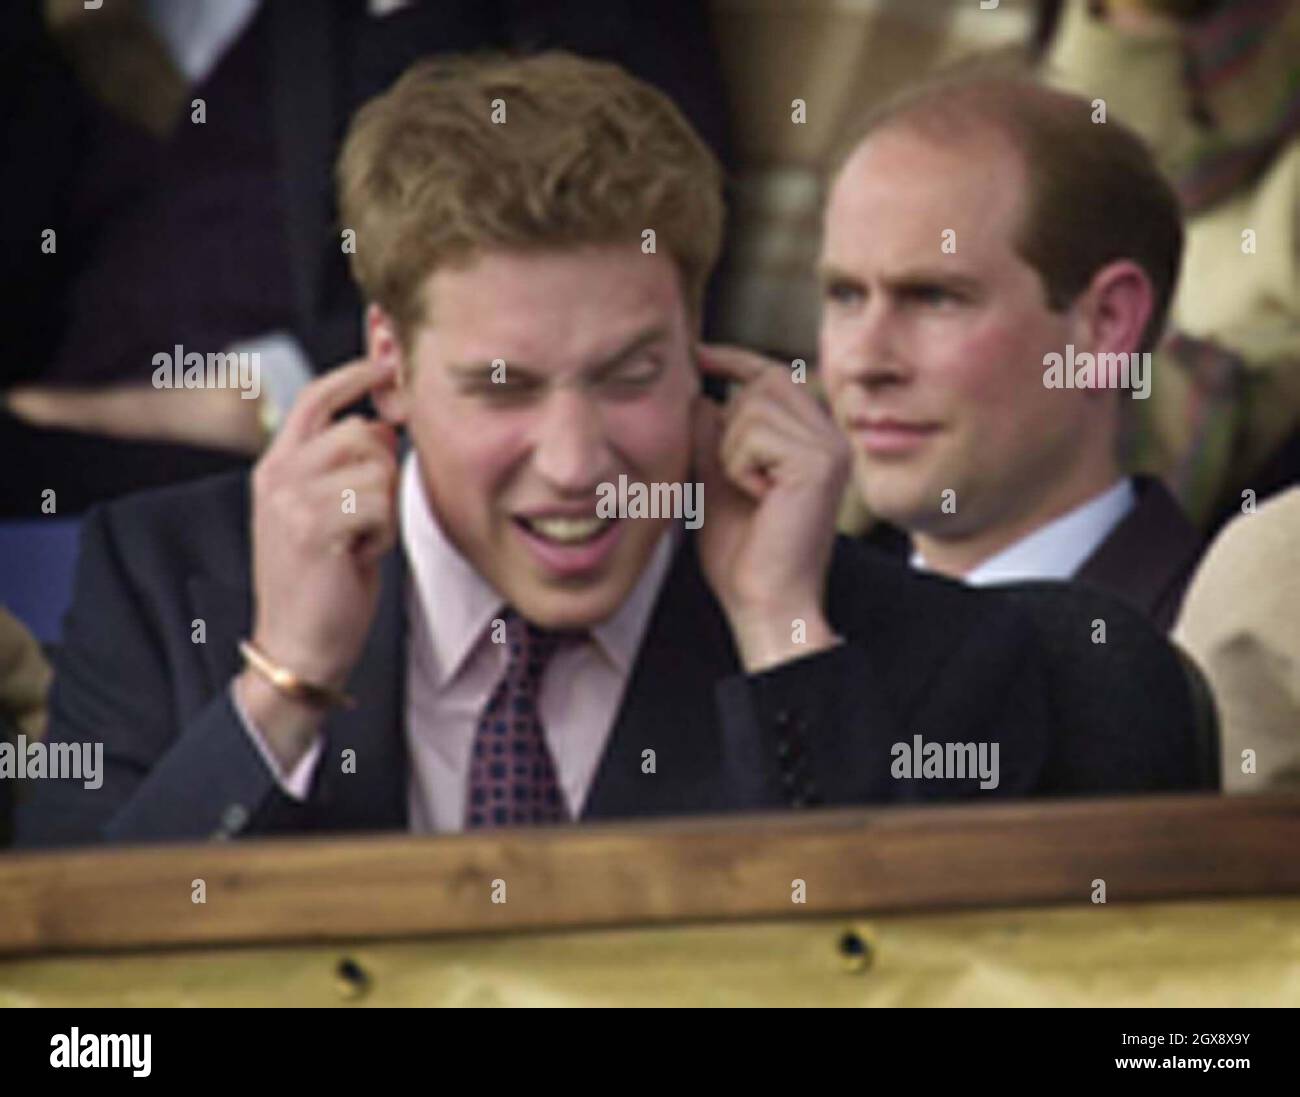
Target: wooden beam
701,869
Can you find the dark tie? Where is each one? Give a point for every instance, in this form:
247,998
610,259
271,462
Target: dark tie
512,779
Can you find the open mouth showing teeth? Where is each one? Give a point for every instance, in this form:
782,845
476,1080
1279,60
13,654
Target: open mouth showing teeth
565,531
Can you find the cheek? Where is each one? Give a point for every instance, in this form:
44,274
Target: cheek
832,351
828,362
990,370
467,455
996,386
652,436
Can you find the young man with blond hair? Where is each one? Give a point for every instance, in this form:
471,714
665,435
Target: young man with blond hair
450,637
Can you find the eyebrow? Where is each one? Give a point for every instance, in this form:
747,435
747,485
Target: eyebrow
828,273
469,372
632,347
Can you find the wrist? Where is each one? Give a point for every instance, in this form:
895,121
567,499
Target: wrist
287,726
767,638
304,663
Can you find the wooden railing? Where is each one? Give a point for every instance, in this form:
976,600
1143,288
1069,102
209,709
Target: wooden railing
683,870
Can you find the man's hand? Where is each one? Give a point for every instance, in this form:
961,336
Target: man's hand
774,467
324,515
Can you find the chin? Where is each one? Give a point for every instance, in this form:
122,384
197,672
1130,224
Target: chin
571,608
903,509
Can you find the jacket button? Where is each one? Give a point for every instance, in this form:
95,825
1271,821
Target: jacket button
233,819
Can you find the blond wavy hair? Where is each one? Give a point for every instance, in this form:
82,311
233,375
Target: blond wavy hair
586,154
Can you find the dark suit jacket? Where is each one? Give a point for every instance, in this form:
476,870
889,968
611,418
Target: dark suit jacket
1148,559
923,656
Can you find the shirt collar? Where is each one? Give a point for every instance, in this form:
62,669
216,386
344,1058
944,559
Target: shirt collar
619,636
466,603
1058,549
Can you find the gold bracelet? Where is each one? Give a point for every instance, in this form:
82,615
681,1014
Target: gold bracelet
290,684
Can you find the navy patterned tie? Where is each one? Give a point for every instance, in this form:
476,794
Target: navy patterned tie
512,779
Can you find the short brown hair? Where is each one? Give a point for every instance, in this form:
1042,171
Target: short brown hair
1094,192
587,154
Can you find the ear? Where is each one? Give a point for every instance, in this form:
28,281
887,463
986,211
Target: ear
1116,307
392,397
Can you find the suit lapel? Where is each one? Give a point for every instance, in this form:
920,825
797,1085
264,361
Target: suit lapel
374,795
669,706
1149,556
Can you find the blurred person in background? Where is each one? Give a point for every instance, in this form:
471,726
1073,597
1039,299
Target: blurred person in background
180,151
1214,87
1241,623
24,682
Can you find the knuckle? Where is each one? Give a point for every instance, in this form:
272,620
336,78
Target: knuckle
297,516
353,430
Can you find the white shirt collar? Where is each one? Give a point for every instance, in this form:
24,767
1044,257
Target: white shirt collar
466,603
1058,549
197,34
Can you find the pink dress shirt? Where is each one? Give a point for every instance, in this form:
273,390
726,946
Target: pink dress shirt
452,667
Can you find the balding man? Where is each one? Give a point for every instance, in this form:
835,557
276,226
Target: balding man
997,264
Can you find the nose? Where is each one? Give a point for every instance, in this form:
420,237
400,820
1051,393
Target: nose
571,449
868,348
